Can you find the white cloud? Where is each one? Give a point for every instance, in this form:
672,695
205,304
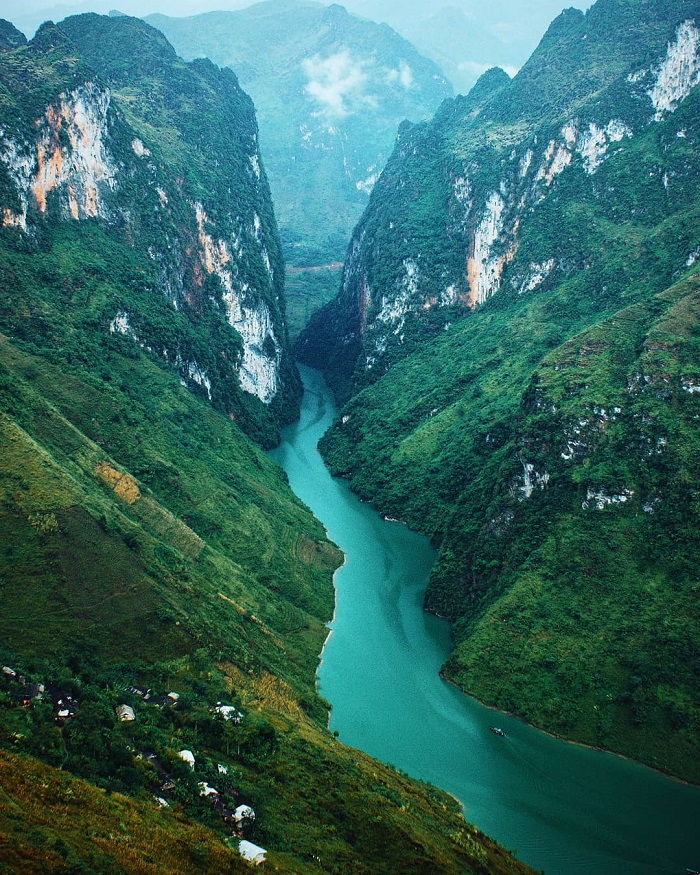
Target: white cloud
336,82
403,74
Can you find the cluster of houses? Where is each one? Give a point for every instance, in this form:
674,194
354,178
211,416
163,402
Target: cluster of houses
237,815
24,692
126,714
239,819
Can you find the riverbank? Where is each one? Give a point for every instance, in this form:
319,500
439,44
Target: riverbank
562,807
564,739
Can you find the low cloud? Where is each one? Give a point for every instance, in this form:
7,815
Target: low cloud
337,82
403,74
341,84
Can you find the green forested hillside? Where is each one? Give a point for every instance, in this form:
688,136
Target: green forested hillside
151,555
88,135
516,341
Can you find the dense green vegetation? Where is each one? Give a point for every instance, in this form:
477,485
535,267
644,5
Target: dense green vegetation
198,144
546,440
51,821
307,289
146,540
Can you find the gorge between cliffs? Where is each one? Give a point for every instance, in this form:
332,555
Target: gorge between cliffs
562,808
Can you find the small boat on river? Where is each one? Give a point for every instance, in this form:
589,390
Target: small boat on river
497,731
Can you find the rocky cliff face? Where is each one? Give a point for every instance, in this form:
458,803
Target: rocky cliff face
492,162
164,155
68,156
515,342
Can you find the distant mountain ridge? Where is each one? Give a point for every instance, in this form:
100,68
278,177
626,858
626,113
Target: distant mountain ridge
518,316
466,37
330,90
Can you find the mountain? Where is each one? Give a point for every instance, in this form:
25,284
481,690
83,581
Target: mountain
467,38
163,595
205,249
516,343
330,91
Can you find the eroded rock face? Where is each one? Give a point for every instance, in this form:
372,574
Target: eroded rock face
678,73
259,367
69,156
77,159
83,166
496,176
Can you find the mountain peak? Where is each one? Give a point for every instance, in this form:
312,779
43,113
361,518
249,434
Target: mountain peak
49,37
10,37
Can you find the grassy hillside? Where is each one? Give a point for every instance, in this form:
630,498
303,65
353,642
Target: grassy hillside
146,541
307,289
51,821
595,586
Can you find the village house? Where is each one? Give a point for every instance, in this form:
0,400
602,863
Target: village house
64,703
243,814
252,853
31,692
188,757
167,701
228,712
125,713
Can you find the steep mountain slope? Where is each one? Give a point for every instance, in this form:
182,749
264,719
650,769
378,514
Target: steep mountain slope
556,208
127,148
330,90
151,555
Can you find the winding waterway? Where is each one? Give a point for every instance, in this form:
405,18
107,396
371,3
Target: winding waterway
561,808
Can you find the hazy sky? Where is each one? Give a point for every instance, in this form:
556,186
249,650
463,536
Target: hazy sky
28,14
465,37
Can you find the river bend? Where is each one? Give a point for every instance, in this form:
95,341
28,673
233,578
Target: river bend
561,808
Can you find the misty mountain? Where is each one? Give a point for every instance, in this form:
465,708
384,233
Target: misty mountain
466,37
330,90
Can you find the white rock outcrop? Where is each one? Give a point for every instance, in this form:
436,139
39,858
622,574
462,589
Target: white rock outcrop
69,155
259,366
484,269
678,73
80,168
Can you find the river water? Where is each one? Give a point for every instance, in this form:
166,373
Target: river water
561,808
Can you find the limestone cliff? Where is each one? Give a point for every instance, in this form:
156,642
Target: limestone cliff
164,155
453,218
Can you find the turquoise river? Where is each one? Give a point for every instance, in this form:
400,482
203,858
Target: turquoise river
562,808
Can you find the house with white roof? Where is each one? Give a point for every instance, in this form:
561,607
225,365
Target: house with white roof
252,853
